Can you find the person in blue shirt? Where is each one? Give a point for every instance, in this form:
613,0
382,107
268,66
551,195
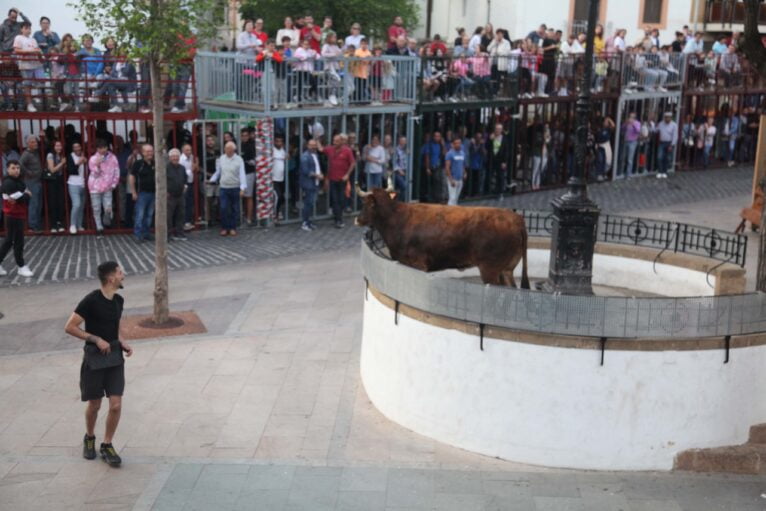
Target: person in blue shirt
91,61
477,159
454,169
46,39
433,151
720,47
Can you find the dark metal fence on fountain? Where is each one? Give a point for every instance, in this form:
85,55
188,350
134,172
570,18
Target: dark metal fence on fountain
659,234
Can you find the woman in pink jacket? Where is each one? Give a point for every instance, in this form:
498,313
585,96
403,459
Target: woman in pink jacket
103,179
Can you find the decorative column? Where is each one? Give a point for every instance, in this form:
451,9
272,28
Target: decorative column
264,145
575,216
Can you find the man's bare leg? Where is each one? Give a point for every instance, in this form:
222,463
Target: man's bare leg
113,418
91,414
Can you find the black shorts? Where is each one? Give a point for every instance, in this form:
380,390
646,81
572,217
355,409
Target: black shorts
102,382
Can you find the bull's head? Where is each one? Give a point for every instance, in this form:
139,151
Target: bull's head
372,202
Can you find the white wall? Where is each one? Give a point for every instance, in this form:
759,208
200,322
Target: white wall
62,17
522,17
557,406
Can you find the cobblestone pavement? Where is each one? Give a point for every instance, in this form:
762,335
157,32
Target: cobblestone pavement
72,258
267,411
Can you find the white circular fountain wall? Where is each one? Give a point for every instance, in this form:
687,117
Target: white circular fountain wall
557,406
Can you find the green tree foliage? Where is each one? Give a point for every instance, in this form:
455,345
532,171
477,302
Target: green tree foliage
154,31
150,23
375,16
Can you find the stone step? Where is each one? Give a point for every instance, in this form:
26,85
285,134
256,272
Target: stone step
757,434
735,459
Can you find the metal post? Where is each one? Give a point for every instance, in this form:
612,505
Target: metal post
575,216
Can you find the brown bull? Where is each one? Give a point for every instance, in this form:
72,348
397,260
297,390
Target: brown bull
432,237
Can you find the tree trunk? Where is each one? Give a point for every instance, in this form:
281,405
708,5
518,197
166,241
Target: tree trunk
161,308
756,54
760,283
759,172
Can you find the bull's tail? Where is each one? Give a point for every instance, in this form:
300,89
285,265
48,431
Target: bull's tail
524,277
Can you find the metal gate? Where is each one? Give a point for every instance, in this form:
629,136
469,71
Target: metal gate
295,131
642,157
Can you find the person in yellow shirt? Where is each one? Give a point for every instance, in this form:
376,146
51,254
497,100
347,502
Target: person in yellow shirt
362,72
599,43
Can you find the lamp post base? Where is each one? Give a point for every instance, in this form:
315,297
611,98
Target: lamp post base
575,225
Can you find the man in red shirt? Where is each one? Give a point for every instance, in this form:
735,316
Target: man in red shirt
395,31
438,44
340,165
313,33
259,33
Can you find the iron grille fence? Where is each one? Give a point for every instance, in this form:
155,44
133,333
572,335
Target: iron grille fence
664,235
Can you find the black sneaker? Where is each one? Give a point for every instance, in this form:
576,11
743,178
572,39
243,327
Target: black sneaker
89,447
109,455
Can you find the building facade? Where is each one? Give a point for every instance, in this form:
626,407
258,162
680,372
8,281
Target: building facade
519,18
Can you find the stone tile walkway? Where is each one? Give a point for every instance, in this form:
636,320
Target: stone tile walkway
267,411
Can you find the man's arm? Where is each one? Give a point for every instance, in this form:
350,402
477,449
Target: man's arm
73,328
132,185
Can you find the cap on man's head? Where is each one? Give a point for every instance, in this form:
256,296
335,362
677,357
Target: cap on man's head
668,114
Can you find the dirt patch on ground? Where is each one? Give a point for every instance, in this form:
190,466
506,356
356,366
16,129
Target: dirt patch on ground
179,323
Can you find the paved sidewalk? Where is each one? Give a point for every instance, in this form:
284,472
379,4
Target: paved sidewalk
267,410
67,258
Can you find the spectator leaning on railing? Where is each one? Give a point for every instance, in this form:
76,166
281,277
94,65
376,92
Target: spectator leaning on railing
30,64
10,28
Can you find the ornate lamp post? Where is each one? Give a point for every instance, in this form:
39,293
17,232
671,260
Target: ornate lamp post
575,216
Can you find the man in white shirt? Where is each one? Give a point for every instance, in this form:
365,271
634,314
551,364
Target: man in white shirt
375,157
355,39
279,160
29,63
230,174
694,45
188,163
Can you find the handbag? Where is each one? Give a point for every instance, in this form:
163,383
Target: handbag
96,360
47,174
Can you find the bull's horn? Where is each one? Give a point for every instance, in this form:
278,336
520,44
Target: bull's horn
390,187
361,193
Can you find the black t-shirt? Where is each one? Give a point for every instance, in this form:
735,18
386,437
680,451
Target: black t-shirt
102,316
677,46
144,174
551,53
210,159
248,155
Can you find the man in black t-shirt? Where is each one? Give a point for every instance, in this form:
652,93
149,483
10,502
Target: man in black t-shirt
248,155
141,183
102,372
550,47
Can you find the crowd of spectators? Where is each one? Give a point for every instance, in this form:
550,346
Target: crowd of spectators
211,173
478,65
41,70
